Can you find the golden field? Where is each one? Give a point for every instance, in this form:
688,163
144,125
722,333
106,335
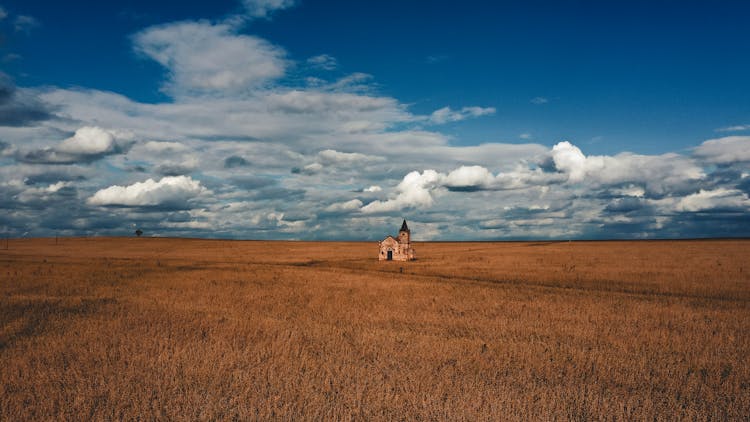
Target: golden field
177,329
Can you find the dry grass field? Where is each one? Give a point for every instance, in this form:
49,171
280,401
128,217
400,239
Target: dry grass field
174,329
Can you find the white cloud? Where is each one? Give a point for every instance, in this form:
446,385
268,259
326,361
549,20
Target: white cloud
337,136
176,190
312,168
657,173
730,149
348,206
539,100
3,13
629,191
569,159
469,176
357,81
298,101
446,114
89,140
735,128
362,126
717,199
525,136
288,116
42,193
205,58
87,144
640,174
323,61
330,157
413,191
264,8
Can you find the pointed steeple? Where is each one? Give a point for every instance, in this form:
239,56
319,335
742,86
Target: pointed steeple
404,227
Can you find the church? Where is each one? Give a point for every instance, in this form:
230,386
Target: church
397,248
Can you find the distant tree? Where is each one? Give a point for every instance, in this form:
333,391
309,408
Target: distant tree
138,232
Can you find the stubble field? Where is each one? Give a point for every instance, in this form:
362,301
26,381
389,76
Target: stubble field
175,329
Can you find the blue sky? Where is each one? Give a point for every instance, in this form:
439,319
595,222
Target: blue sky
321,119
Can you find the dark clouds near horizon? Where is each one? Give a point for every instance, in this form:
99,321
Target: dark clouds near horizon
19,108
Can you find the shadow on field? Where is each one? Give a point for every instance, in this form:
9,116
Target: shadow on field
27,317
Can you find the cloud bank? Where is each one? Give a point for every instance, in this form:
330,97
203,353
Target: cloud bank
255,143
169,191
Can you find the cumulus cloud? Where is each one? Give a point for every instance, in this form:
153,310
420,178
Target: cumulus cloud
332,160
720,199
625,175
89,140
87,144
417,189
237,124
478,178
413,191
309,169
205,58
629,191
447,115
658,174
343,207
469,177
171,191
727,150
569,159
41,193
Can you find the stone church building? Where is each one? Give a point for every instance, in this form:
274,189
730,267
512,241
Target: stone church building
397,248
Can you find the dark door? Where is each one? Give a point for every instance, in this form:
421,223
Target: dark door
390,255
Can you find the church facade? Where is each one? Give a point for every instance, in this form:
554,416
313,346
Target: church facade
397,248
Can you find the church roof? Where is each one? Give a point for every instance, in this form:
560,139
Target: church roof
404,227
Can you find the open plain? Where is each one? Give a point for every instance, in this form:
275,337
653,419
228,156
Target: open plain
178,329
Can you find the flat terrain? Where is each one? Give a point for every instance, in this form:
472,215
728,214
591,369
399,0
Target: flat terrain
173,329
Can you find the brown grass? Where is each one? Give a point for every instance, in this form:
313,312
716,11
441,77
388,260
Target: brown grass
194,329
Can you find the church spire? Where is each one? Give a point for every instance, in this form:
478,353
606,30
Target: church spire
404,227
